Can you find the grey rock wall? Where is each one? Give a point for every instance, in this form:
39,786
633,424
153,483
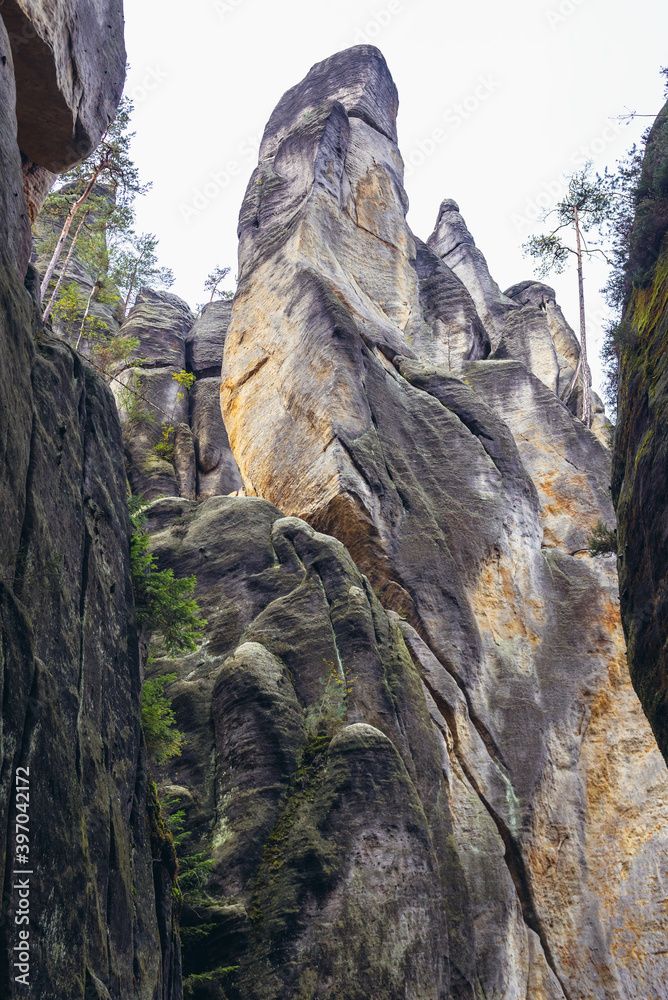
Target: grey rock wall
466,493
103,918
198,464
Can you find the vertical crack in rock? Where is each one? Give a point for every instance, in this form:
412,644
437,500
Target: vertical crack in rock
512,855
408,407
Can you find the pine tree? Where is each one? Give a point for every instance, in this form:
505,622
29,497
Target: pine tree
109,168
585,208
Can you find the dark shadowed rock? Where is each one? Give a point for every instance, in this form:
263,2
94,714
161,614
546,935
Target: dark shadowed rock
70,671
153,402
640,479
217,471
69,61
328,844
14,220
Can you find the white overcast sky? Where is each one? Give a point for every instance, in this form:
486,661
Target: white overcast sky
514,93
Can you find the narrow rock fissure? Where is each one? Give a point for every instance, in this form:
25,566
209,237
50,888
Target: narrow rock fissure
512,852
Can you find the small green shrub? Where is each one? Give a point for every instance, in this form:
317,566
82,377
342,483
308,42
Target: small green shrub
163,740
184,378
602,539
132,402
209,984
165,448
164,603
323,718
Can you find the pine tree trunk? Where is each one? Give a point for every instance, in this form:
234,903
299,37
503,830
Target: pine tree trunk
67,225
85,317
584,367
52,300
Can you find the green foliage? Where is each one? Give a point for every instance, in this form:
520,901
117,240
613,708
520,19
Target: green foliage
164,603
165,448
94,203
618,336
209,984
134,265
194,869
163,740
326,715
68,304
214,281
602,539
132,403
592,202
185,379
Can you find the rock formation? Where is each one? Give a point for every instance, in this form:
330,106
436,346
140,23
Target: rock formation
175,439
101,908
415,765
516,845
641,462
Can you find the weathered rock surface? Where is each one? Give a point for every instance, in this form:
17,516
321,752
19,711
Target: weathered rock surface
194,460
152,399
641,445
206,340
217,472
71,680
453,243
468,503
69,62
103,917
14,220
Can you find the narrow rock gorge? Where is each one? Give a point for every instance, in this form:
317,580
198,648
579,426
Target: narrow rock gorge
415,765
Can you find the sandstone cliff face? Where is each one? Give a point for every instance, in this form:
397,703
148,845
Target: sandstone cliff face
102,916
520,799
641,460
199,463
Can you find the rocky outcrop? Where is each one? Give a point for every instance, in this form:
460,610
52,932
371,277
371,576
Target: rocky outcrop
466,493
453,243
69,63
102,912
71,677
641,444
175,438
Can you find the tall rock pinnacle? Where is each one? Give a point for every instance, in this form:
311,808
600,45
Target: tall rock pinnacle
388,400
